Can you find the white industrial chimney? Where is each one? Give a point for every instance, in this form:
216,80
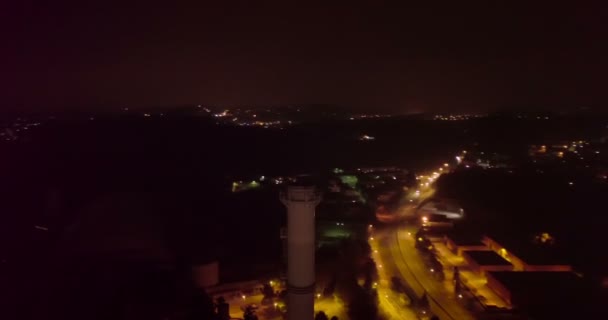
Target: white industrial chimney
300,202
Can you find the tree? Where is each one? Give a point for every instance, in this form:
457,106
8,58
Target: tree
321,316
334,318
250,314
201,306
268,291
424,301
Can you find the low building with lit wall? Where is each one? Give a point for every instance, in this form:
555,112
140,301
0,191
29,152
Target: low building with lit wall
526,256
526,290
459,242
484,261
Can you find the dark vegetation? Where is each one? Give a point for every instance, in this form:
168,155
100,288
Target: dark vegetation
348,271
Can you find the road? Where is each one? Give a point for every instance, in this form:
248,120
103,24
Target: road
392,304
400,258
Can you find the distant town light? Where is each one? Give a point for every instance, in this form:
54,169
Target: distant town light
446,164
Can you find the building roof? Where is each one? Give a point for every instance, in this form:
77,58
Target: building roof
487,258
539,284
530,253
548,295
465,239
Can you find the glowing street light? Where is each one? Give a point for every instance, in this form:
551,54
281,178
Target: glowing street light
446,164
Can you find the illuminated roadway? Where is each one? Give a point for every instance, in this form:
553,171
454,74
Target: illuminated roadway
395,250
396,256
392,304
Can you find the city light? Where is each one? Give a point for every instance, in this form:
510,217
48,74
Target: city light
446,164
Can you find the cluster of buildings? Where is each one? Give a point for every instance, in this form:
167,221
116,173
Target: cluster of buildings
457,117
280,117
16,129
564,149
484,160
369,116
521,274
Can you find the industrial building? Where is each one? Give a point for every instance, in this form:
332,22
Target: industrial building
484,261
537,291
526,256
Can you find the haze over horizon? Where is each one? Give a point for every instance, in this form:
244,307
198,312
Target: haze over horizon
403,59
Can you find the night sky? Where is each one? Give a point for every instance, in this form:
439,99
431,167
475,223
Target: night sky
403,59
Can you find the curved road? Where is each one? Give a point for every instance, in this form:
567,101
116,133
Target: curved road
399,246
